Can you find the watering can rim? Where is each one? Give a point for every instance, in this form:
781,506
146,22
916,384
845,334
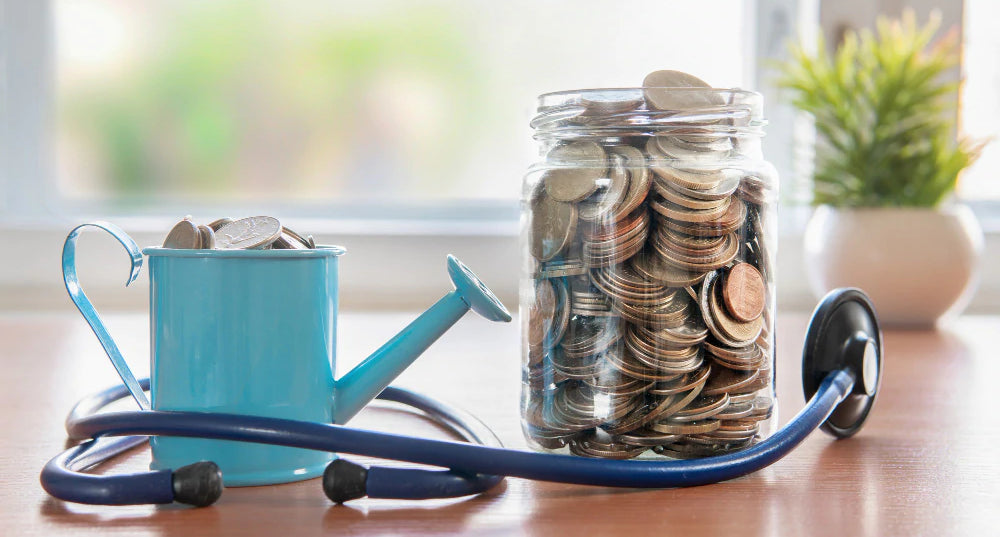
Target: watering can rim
319,251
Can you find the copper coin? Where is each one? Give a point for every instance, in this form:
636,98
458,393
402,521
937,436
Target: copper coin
741,332
743,292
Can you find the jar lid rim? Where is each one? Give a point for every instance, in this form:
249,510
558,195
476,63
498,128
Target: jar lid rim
735,91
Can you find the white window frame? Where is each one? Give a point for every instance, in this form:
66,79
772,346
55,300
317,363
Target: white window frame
396,258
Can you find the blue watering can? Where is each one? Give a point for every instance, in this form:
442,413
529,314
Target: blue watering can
254,332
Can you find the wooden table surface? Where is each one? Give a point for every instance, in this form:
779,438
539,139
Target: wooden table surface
925,463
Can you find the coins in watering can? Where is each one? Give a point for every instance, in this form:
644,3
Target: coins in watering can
652,324
248,233
256,232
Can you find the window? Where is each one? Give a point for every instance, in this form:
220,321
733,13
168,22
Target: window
382,105
980,100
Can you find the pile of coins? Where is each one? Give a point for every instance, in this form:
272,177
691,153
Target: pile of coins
649,326
251,233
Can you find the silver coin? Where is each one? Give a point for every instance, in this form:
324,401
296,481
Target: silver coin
219,223
676,90
293,235
184,236
578,166
207,237
255,232
613,101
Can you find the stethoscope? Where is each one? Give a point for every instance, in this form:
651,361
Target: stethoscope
841,373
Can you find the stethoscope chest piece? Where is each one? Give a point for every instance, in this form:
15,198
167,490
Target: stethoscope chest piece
844,334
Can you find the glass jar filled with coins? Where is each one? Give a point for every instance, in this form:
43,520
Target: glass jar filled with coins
647,289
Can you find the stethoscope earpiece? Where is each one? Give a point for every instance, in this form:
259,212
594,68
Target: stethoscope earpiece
844,334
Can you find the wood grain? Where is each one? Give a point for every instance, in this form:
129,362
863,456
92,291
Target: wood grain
924,464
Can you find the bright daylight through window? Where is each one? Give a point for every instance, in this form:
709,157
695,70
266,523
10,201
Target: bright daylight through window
981,97
342,102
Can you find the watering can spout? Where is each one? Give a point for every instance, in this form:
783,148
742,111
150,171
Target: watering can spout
359,386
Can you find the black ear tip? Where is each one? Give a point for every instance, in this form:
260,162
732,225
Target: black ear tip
344,480
198,484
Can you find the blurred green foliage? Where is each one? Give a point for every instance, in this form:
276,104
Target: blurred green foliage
881,107
229,90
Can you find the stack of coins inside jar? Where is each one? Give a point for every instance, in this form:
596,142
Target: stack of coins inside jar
647,290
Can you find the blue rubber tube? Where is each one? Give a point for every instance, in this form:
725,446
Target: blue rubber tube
481,463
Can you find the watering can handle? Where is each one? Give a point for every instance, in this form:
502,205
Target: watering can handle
87,308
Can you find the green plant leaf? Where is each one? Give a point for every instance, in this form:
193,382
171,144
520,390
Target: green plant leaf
881,106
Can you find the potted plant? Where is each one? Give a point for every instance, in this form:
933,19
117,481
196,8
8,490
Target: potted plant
887,163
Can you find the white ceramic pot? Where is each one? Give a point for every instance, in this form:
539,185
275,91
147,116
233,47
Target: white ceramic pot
917,265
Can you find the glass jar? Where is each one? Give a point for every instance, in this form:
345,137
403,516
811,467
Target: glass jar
647,285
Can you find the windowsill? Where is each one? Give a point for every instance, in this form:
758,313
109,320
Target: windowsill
391,264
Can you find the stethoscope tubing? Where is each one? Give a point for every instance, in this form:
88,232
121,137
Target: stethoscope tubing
483,464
